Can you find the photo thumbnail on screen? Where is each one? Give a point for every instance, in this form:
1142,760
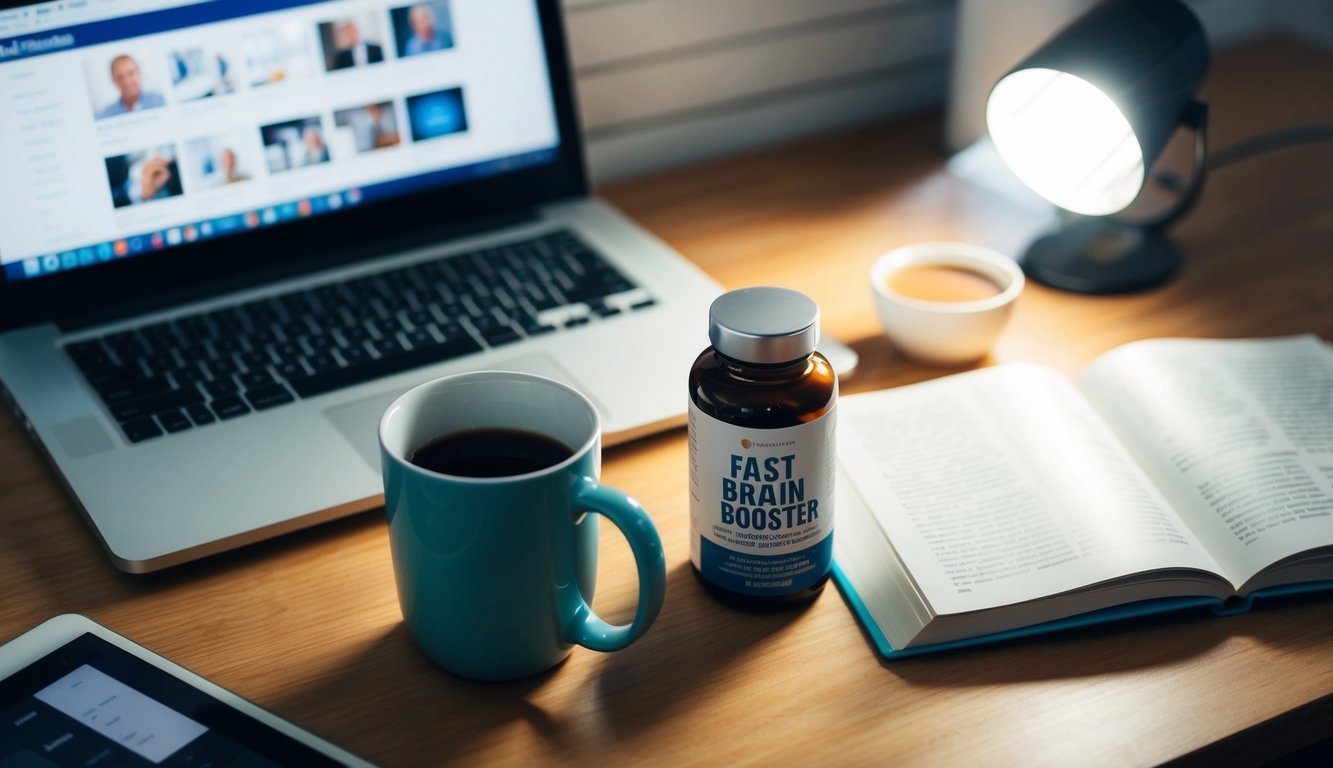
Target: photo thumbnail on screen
436,114
294,144
277,54
144,176
422,28
216,161
200,72
351,41
123,83
365,129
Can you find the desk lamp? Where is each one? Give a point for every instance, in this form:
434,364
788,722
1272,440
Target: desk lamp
1080,122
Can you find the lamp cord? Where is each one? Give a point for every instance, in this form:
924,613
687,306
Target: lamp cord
1267,142
1255,145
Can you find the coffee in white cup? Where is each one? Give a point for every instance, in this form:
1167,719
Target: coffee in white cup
944,303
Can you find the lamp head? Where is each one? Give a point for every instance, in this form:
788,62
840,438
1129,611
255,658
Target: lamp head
1083,117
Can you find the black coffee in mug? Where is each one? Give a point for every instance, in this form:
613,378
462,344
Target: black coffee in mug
490,452
492,565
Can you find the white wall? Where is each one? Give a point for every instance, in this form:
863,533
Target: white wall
669,82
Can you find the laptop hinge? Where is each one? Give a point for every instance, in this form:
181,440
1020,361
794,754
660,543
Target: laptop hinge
327,259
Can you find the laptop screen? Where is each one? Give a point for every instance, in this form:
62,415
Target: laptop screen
130,127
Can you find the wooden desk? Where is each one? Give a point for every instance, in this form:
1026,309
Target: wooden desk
309,625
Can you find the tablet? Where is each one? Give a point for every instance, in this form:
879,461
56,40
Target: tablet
74,693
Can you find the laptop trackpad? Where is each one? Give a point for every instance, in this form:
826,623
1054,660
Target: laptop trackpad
82,437
359,421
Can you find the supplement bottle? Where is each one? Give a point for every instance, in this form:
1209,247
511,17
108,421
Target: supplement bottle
761,435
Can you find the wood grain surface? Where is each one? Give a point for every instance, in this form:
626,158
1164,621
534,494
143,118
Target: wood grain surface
308,625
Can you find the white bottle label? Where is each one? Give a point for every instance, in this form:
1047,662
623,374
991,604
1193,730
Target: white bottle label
761,503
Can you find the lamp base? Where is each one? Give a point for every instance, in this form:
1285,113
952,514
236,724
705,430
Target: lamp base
1101,256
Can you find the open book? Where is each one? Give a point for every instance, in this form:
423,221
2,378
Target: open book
1008,501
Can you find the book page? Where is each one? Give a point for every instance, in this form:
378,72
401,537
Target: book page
1002,485
1238,434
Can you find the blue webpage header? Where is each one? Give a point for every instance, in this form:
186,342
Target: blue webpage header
64,39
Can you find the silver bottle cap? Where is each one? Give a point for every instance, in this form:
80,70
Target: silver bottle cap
764,325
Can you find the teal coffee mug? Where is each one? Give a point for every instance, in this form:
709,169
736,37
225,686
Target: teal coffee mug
494,547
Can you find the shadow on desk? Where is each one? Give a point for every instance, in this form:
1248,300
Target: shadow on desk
881,366
389,687
435,711
696,645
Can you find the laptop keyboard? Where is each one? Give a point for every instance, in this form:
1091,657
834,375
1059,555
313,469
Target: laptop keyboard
218,365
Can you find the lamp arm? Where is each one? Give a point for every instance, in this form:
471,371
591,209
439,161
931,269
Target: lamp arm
1195,118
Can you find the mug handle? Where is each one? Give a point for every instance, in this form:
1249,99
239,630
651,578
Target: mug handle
585,627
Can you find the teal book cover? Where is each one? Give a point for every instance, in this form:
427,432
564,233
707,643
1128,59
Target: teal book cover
1205,605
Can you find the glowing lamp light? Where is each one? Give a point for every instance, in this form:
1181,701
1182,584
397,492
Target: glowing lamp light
1066,140
1082,120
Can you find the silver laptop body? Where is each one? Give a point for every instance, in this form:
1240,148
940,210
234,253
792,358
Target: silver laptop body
208,487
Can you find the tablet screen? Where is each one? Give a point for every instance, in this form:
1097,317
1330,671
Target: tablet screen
89,703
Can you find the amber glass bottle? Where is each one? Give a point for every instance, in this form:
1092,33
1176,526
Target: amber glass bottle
761,433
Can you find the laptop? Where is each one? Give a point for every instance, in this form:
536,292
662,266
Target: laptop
231,233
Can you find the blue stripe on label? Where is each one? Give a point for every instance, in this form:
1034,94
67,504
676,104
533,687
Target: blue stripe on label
764,574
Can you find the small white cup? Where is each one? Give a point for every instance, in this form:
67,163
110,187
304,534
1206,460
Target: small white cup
945,332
